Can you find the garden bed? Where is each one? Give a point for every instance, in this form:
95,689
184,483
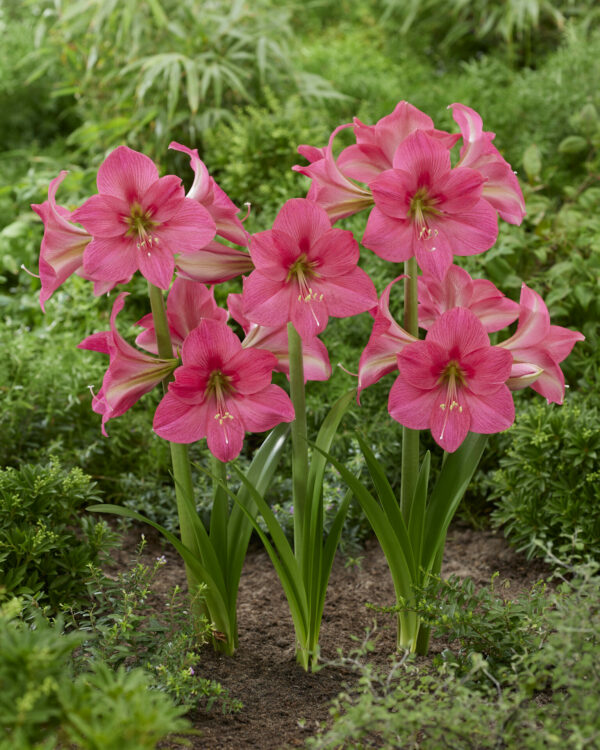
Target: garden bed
282,705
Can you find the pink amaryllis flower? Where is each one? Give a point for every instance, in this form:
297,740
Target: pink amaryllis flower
424,208
138,221
216,201
458,289
331,188
453,382
221,391
376,144
63,243
275,339
130,373
188,303
537,348
305,271
387,340
501,188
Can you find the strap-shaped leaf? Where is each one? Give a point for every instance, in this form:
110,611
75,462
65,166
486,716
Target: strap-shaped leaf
219,515
331,544
416,522
398,552
454,478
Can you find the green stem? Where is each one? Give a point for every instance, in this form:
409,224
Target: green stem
410,438
182,473
299,440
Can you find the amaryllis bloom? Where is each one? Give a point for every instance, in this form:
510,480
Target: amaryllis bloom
305,271
216,201
275,339
458,289
130,373
63,243
139,221
221,391
387,340
331,188
501,188
537,346
187,304
453,382
376,144
214,264
425,208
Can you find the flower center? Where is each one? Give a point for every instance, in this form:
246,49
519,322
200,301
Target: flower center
140,225
302,271
219,385
421,206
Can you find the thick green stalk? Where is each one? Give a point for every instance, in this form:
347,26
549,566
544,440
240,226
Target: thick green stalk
182,473
410,438
299,440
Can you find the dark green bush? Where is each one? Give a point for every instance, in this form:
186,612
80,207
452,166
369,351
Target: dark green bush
46,545
547,489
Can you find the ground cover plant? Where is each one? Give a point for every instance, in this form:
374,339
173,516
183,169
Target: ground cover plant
247,99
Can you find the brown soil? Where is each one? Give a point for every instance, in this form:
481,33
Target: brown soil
282,704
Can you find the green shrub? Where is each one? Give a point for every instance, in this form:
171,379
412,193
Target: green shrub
547,699
547,489
46,546
43,704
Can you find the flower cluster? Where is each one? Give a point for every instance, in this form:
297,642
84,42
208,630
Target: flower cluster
305,270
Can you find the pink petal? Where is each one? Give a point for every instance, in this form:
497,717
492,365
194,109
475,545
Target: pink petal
561,341
471,231
225,436
420,154
461,190
458,332
190,229
486,369
214,264
393,190
253,368
103,216
336,252
492,413
267,302
390,239
126,174
411,406
180,422
157,264
421,364
302,220
164,198
273,253
534,321
112,259
450,421
263,410
210,343
348,295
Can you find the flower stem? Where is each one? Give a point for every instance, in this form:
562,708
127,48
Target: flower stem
182,473
410,438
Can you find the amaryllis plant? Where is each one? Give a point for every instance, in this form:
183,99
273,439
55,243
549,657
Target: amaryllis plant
425,208
453,382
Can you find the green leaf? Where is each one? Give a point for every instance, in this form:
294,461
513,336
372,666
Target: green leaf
385,492
454,478
331,545
416,522
573,145
532,163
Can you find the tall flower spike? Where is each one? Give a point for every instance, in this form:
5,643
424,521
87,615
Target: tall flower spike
424,208
458,289
130,373
453,382
501,188
220,392
187,304
274,339
63,243
538,346
305,271
139,222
